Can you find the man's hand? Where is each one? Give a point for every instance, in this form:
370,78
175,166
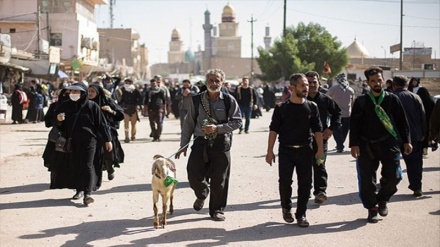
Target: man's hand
182,150
108,146
319,154
327,134
209,129
270,157
355,152
407,148
255,107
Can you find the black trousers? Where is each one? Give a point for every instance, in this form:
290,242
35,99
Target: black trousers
414,166
289,159
320,175
208,171
386,152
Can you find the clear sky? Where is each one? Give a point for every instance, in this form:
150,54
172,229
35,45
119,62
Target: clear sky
374,23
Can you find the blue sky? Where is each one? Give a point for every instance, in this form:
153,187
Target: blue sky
374,23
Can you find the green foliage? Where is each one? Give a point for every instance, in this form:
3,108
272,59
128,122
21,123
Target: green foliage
304,48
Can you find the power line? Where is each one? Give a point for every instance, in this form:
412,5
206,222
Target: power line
15,16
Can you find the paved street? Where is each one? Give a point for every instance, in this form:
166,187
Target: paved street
33,215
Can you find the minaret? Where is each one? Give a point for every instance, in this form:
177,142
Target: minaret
267,39
208,39
176,53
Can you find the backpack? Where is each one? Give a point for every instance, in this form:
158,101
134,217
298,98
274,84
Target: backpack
22,96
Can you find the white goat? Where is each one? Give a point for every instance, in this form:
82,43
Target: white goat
162,168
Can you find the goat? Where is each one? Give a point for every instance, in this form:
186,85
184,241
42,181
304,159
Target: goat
163,182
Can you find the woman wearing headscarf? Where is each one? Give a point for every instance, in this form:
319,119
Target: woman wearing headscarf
17,106
113,114
83,122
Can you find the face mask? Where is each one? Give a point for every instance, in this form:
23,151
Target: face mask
129,87
74,97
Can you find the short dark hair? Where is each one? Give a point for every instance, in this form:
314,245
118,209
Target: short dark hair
312,74
374,70
186,80
153,80
294,78
400,80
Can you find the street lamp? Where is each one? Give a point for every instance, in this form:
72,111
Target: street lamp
384,55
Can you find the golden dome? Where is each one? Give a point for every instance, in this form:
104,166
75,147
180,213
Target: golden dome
228,10
175,35
228,14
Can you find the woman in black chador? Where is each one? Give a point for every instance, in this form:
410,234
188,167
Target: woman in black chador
83,121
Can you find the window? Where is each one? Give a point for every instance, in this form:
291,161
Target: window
12,30
56,39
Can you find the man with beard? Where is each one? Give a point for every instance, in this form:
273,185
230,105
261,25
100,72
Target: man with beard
296,121
211,122
330,114
156,102
378,125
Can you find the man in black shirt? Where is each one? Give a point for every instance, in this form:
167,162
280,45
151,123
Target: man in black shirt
377,125
247,100
294,121
131,102
415,113
156,102
328,110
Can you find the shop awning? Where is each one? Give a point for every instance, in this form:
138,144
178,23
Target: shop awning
15,66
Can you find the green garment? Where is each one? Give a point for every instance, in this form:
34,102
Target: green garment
381,114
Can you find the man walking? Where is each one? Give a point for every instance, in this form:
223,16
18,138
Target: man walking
131,102
378,123
344,96
415,113
329,111
295,121
183,95
156,102
247,100
211,118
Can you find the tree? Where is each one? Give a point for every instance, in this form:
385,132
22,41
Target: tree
304,48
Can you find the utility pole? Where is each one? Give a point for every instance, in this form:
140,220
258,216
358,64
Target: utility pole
47,26
112,2
284,21
252,47
401,35
38,33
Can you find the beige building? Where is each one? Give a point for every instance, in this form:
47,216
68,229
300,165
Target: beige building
67,25
222,51
120,49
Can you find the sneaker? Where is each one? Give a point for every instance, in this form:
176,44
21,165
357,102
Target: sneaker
127,140
133,138
78,195
383,209
239,132
302,221
417,193
320,198
340,151
198,204
111,176
287,215
88,199
372,215
218,216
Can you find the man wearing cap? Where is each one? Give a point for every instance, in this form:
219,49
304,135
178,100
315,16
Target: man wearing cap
131,102
344,96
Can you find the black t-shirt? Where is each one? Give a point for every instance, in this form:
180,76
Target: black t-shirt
296,123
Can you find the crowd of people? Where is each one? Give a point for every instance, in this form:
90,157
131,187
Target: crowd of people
388,120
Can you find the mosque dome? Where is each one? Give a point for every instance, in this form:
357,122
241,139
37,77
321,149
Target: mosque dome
228,14
189,56
357,50
175,35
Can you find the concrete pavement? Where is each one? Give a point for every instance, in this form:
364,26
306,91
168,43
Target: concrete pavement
33,215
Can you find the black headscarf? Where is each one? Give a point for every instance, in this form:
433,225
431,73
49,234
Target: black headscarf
100,98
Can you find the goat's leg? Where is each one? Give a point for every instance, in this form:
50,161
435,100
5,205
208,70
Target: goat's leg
171,200
164,210
155,217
